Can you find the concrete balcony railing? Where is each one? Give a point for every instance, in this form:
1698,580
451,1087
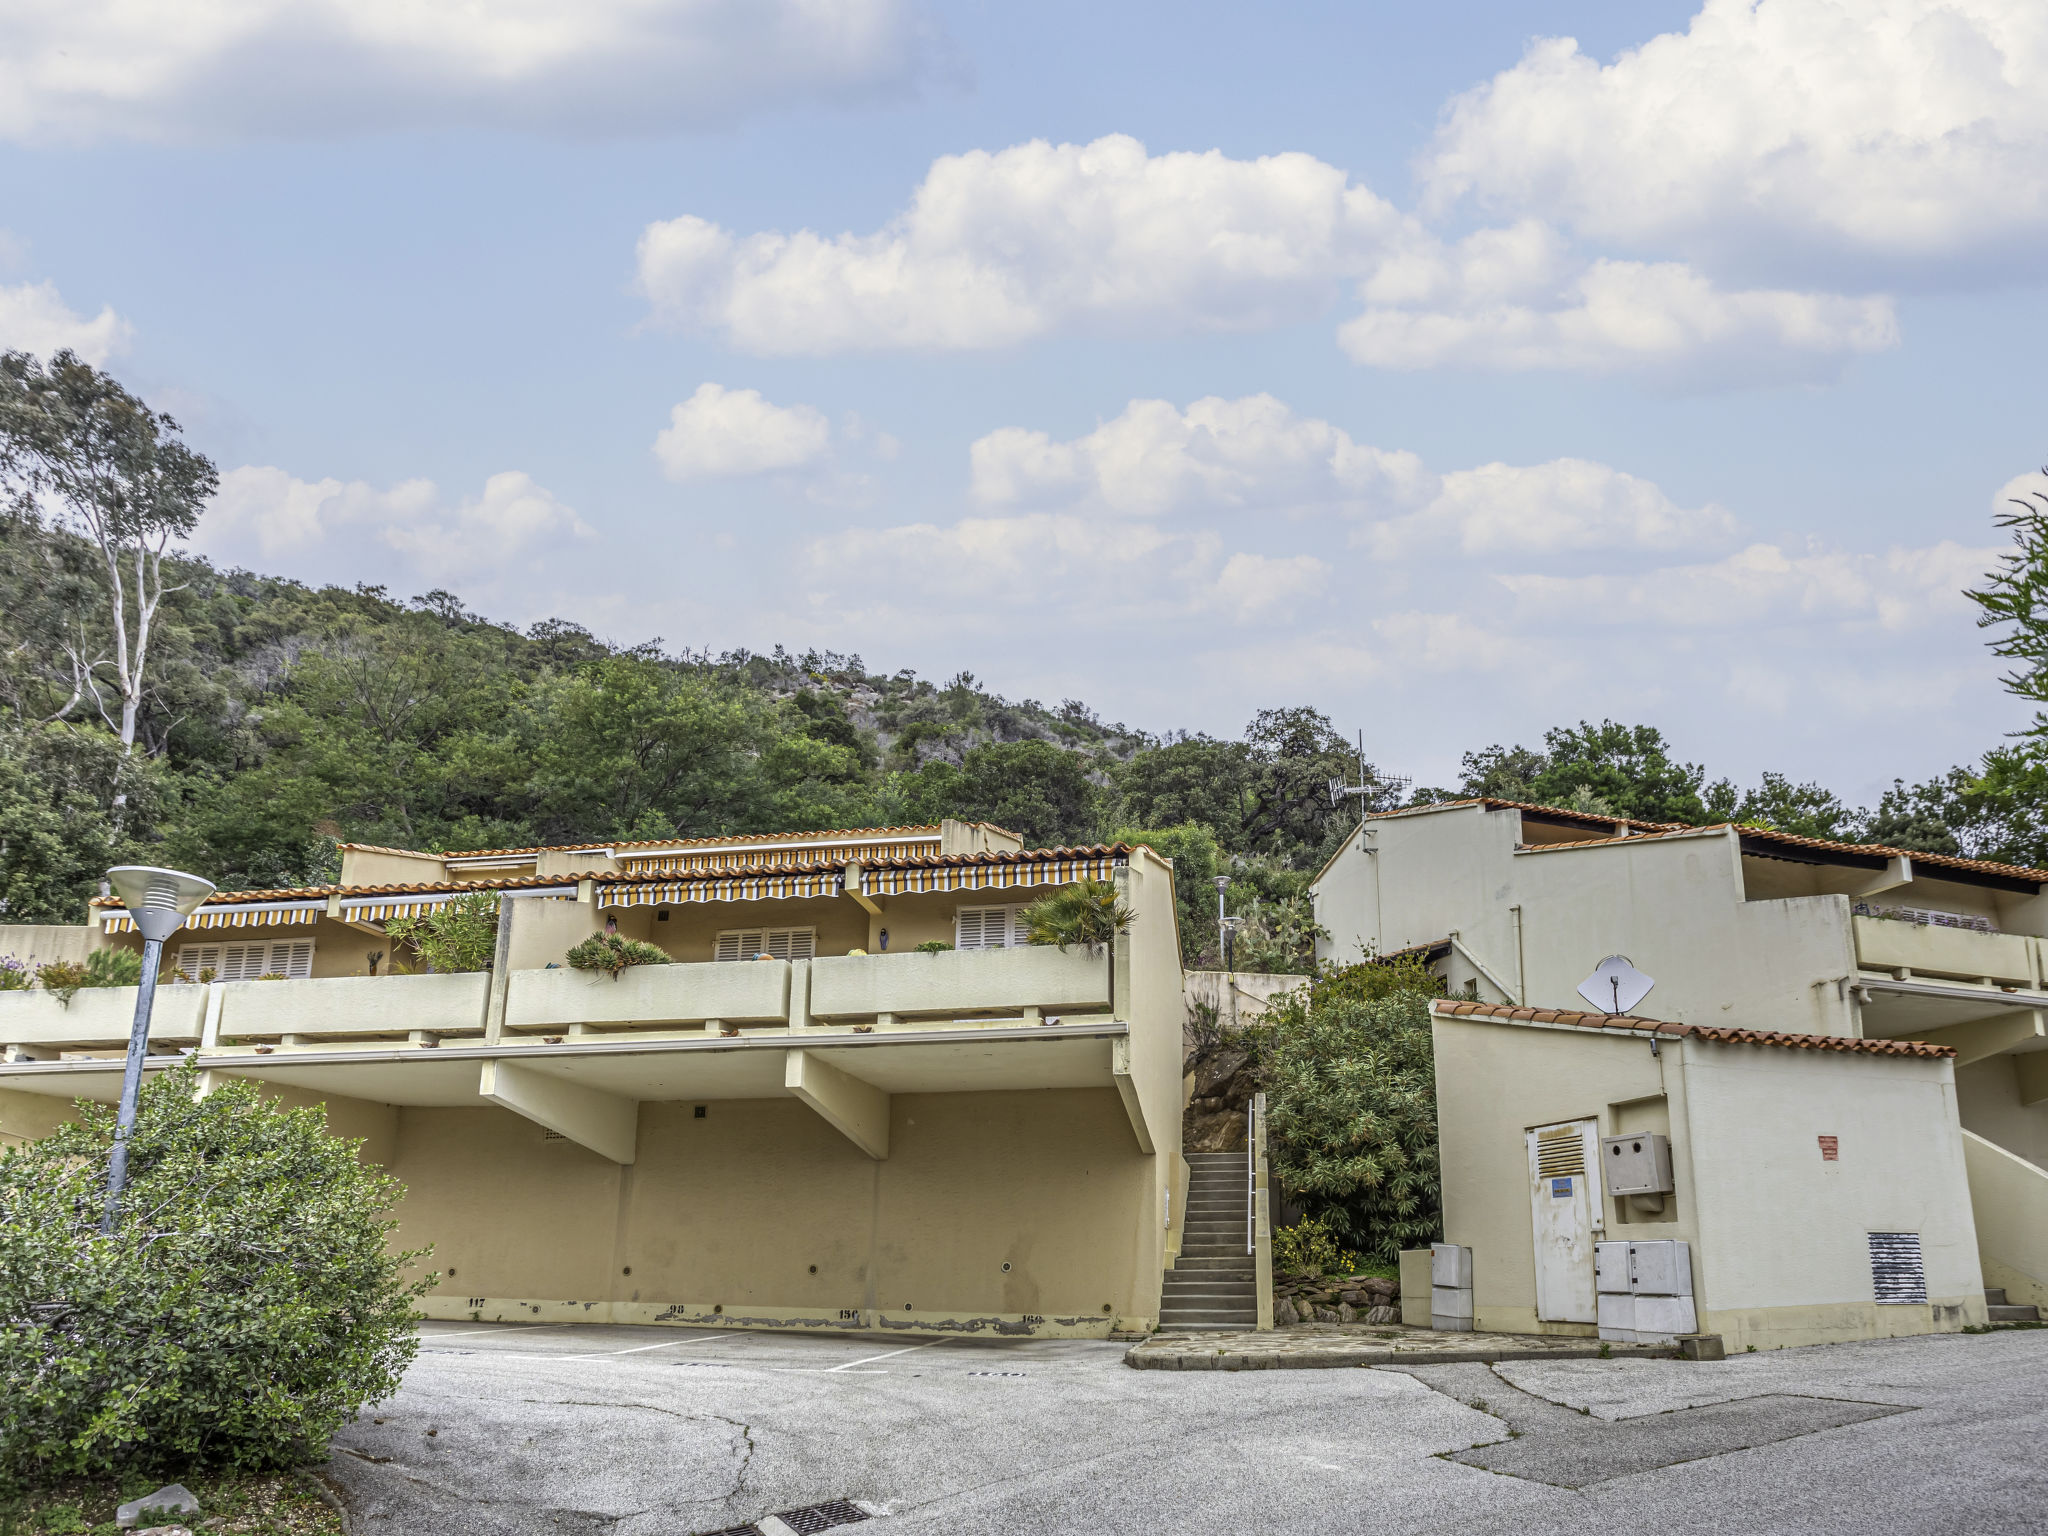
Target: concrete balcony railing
343,1010
745,992
99,1017
959,981
2008,959
348,1007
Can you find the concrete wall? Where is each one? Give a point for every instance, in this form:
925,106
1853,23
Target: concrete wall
2010,1198
1540,921
37,944
1147,992
721,1219
362,867
1239,997
26,1117
1780,1237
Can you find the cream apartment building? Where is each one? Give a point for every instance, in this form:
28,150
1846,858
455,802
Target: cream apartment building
803,1121
1739,929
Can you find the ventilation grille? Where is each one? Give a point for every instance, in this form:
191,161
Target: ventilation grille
1560,1154
1895,1270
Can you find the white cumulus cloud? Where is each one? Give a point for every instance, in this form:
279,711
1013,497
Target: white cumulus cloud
1766,586
1913,131
720,432
1659,318
265,513
998,248
96,69
1256,455
1156,458
35,318
1041,239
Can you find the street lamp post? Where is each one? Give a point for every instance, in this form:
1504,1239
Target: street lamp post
1222,923
158,902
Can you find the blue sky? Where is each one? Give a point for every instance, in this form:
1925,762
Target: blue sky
1407,361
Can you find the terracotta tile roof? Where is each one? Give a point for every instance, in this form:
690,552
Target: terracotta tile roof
1938,860
1591,818
1718,1033
998,856
669,842
551,882
1795,840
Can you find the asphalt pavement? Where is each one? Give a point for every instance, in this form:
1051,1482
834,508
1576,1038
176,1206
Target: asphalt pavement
508,1430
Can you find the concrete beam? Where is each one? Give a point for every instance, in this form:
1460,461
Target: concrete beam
2031,1069
1127,1089
603,1122
855,887
1975,1039
859,1111
1898,872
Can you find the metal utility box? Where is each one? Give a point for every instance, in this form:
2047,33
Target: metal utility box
1450,1266
1636,1165
1610,1269
1662,1268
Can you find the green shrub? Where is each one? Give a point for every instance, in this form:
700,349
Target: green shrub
14,975
932,947
1309,1247
460,935
612,953
245,1307
1086,912
1351,1107
64,977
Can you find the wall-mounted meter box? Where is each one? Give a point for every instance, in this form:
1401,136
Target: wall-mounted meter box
1610,1269
1636,1165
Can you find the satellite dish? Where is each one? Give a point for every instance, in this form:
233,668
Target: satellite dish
1615,986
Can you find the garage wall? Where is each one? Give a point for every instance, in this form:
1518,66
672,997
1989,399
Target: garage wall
721,1218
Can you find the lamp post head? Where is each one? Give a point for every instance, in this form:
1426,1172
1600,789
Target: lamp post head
158,900
1222,884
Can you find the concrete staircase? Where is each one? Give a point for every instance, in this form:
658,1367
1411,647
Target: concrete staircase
1213,1286
2003,1310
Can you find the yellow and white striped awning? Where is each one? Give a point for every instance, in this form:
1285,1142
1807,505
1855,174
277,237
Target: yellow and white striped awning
920,879
256,914
760,887
760,860
382,909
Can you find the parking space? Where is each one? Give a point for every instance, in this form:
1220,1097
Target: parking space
503,1430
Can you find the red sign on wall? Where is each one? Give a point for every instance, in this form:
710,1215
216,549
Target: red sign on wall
1830,1149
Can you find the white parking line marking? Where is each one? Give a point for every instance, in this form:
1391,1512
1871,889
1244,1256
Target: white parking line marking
890,1355
500,1328
638,1349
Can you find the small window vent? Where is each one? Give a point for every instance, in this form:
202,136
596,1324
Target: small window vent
1895,1269
548,1135
1560,1154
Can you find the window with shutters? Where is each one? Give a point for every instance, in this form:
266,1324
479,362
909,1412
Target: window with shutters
776,943
989,928
245,962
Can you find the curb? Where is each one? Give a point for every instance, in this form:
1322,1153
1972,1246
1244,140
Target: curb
1152,1358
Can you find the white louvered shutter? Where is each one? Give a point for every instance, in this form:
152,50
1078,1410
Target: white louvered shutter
194,958
738,946
989,928
968,928
792,943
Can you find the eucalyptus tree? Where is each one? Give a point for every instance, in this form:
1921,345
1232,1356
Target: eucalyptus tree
78,447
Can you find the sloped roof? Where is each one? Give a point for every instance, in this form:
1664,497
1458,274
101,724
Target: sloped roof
1721,1034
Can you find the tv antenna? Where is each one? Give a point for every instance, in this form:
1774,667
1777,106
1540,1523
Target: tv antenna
1370,782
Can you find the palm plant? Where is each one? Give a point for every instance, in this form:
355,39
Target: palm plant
1086,912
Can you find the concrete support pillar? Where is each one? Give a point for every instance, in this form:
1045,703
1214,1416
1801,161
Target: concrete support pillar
859,1111
605,1123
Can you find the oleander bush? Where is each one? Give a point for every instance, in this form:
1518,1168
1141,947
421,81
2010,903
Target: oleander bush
246,1305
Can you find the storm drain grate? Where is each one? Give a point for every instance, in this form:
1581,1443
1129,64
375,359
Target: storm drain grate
821,1517
800,1522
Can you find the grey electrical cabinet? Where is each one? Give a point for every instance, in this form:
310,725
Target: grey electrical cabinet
1636,1165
